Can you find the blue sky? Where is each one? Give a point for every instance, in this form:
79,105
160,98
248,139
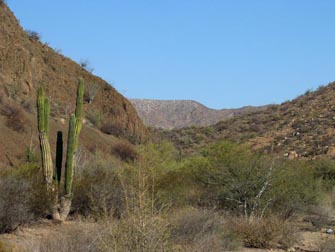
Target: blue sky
223,53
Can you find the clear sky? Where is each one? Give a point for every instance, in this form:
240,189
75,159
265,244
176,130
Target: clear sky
223,53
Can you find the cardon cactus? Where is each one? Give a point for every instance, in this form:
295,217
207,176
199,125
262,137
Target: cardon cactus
43,127
60,210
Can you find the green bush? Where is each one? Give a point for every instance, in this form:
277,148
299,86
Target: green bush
239,180
325,169
22,198
97,189
125,151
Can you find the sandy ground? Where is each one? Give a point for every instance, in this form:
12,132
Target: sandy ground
310,240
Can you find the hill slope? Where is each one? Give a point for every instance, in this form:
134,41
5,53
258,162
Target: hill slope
304,126
26,64
170,114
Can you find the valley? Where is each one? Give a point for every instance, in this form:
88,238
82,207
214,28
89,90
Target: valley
84,169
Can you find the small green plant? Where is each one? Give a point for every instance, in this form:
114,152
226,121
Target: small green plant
30,154
95,117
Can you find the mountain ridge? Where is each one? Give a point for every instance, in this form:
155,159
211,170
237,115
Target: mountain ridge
303,127
170,114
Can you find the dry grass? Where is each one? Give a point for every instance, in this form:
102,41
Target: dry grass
202,230
265,233
125,151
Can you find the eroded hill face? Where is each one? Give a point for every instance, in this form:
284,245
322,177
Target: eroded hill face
26,64
303,127
171,114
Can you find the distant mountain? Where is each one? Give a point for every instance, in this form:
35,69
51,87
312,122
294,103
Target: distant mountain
171,114
303,127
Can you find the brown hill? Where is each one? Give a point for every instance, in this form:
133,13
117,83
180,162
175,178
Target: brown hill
303,127
170,114
26,64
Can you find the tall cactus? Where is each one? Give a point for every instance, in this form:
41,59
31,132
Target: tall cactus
43,127
60,210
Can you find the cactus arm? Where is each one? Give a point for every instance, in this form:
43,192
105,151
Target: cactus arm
79,111
40,109
80,99
43,120
70,156
46,116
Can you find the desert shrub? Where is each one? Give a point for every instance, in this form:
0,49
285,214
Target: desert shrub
266,233
21,197
28,106
188,223
94,117
325,169
201,230
241,181
33,35
30,155
142,231
82,237
12,90
289,193
125,151
97,189
141,226
14,204
86,65
113,128
16,119
91,90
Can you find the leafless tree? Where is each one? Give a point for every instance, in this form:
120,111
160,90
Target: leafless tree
91,91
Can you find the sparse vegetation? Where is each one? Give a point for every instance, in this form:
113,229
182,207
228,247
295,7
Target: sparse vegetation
92,90
157,202
34,35
21,198
125,151
95,117
258,188
113,128
265,233
16,119
86,65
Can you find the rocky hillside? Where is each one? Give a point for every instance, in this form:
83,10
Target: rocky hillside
170,114
26,64
303,127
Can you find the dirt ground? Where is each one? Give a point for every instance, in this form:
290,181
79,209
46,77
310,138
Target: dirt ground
310,241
